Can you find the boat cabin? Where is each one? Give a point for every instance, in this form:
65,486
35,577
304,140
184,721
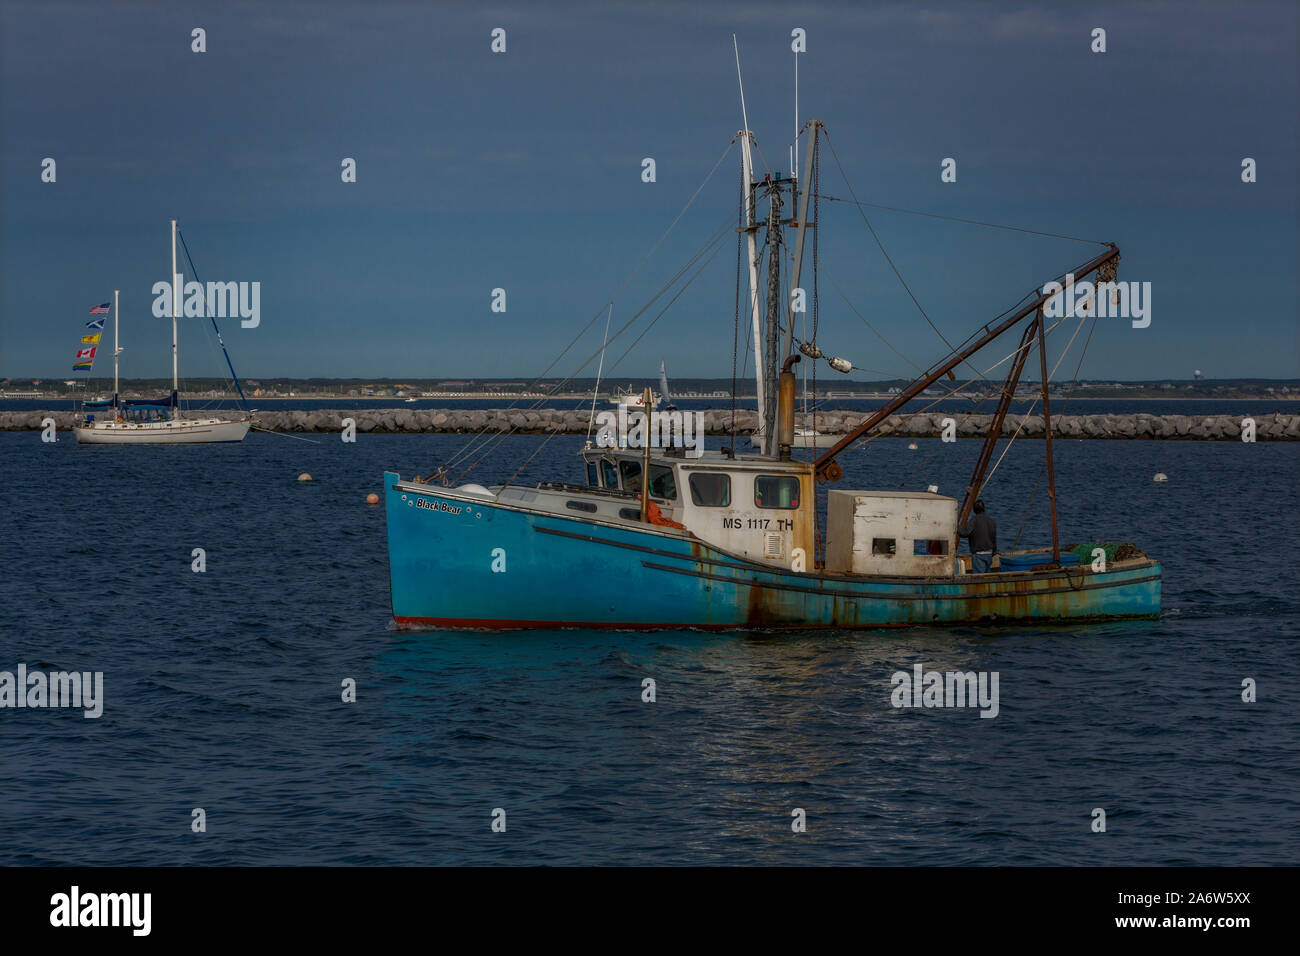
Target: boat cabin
753,506
759,508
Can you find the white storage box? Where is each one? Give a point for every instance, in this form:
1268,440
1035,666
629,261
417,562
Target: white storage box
905,533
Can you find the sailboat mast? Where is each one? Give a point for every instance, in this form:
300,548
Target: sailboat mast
176,292
116,350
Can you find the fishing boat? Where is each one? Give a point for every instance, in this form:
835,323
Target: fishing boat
627,397
157,421
672,537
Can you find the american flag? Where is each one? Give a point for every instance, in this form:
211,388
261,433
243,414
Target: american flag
100,309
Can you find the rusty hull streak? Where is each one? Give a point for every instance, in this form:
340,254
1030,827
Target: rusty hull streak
769,605
815,599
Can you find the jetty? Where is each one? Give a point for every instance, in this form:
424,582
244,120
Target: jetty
1274,426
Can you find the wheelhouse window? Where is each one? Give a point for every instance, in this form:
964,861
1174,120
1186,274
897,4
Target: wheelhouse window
710,489
930,546
609,473
593,478
662,482
630,469
776,491
884,546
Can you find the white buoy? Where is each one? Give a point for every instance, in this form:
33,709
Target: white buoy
933,489
911,446
304,477
1161,476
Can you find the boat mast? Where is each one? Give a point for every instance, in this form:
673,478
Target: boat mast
802,226
751,231
769,354
794,148
116,351
176,405
648,400
1047,435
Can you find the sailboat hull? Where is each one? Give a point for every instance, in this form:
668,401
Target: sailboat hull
802,440
182,431
468,561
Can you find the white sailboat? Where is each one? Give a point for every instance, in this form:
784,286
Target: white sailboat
154,422
804,437
665,400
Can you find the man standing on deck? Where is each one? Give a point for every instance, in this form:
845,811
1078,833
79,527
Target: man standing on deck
983,534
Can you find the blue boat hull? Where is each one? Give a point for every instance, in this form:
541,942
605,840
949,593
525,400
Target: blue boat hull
460,562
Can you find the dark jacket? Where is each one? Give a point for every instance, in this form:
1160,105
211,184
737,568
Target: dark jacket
982,531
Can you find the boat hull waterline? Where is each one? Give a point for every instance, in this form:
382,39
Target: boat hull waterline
444,546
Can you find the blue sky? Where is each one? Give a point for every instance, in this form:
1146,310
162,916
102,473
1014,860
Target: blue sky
522,170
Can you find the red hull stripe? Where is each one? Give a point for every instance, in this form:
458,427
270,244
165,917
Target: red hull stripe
507,624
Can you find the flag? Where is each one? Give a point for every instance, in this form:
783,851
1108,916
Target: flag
79,366
95,324
90,339
86,355
100,309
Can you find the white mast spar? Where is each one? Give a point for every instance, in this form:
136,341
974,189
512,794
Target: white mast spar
747,172
176,283
794,174
116,352
794,147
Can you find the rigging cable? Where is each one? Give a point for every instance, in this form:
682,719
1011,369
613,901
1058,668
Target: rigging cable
213,320
971,222
888,259
596,391
622,286
492,442
1025,418
964,386
1064,405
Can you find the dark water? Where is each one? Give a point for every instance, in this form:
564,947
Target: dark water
223,688
1075,406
